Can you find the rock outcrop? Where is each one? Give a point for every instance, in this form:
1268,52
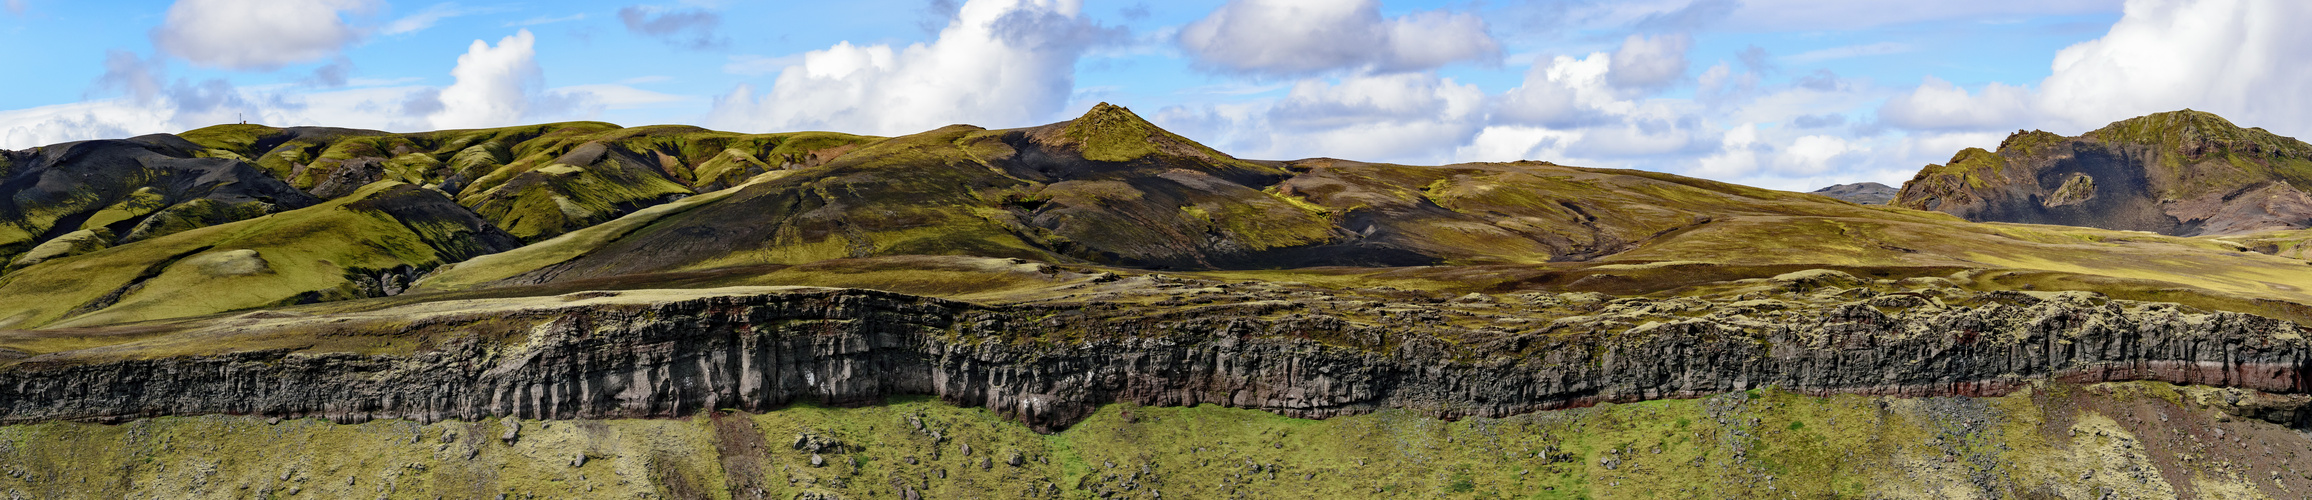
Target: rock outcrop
1293,352
2184,173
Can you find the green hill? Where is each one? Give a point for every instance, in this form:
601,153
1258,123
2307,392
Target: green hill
2181,173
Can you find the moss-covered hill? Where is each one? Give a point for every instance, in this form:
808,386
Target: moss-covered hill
1071,192
372,242
2182,173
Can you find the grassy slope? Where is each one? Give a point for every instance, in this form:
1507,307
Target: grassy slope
305,255
2138,439
515,176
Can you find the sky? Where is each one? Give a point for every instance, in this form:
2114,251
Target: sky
1785,94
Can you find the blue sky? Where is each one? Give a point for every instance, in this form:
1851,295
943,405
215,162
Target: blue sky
1790,94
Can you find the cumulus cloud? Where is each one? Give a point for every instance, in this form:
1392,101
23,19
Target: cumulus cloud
1376,116
256,34
1939,105
999,63
1305,37
692,29
2247,60
1650,61
182,103
1403,117
1566,93
33,127
495,86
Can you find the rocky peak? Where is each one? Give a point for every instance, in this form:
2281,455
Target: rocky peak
2198,134
1112,133
2180,173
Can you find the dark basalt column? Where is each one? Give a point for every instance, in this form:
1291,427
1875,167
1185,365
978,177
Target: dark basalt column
1051,367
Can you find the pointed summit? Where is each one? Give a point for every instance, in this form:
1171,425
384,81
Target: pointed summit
1112,133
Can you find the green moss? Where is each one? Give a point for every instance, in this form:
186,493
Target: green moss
307,255
1761,444
142,202
235,139
1113,134
2198,133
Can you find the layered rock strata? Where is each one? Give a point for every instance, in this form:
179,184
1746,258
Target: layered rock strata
1297,353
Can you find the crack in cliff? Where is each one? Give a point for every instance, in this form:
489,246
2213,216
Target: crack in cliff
1049,365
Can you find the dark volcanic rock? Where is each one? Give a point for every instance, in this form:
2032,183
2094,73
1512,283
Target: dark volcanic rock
1049,365
2180,173
1867,193
116,184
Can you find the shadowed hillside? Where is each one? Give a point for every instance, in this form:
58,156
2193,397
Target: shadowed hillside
2180,173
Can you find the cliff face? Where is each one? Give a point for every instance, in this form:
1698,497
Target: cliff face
1296,353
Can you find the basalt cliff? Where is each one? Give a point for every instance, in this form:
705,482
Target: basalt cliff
1300,353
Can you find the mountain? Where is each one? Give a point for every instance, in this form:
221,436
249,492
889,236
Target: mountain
1100,308
1867,193
1074,192
2184,173
94,194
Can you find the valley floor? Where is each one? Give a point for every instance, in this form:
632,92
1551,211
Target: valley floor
2112,440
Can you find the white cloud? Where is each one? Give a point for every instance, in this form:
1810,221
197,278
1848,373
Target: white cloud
17,7
109,118
1404,117
690,29
183,106
429,16
616,96
1822,15
998,63
1815,153
1939,105
1382,117
495,86
1303,37
2247,60
256,34
1566,93
546,20
1835,53
1650,61
1739,155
